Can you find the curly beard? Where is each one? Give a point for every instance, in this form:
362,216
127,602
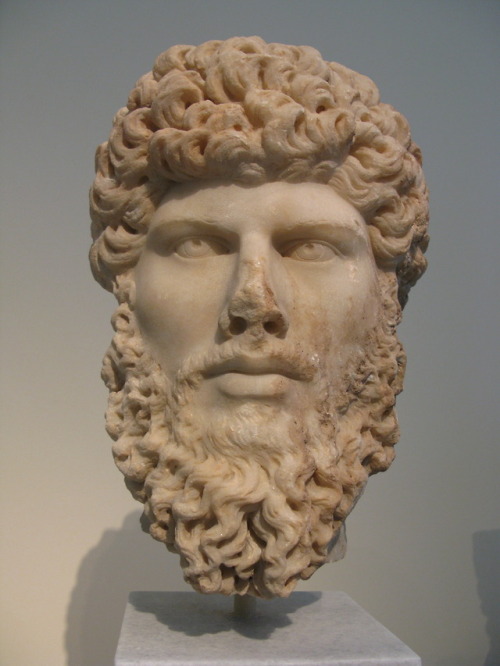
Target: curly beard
255,500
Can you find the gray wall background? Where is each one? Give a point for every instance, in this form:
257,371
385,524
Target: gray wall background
424,542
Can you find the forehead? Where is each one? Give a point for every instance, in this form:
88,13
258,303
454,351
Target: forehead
270,205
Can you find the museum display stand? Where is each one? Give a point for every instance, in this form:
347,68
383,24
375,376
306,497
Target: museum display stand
307,629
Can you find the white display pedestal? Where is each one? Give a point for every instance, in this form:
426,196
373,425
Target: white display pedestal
307,629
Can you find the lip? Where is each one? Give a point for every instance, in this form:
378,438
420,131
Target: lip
257,386
252,365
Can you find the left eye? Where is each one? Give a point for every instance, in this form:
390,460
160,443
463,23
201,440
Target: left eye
197,248
309,251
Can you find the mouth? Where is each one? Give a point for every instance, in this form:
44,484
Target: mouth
257,366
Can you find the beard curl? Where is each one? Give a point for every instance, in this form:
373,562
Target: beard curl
250,508
242,520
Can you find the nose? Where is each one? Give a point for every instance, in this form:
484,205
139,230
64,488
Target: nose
253,306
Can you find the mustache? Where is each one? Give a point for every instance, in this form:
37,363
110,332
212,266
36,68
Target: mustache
273,357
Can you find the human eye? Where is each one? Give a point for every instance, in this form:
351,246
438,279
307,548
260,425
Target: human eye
199,248
309,250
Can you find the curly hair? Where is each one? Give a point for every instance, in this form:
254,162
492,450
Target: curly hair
247,111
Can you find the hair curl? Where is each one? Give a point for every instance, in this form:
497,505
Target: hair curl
247,111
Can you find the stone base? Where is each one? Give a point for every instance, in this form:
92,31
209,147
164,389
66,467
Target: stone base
307,629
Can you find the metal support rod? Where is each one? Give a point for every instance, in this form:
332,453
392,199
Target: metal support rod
244,606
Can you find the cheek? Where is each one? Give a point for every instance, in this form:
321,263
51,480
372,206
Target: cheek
342,308
176,314
361,309
162,318
163,313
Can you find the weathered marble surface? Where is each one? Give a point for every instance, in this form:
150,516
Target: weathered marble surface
310,629
260,217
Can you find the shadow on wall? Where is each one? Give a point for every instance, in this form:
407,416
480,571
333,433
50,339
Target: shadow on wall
486,546
122,561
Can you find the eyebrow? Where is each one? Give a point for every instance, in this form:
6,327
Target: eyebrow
326,225
203,220
199,221
189,219
179,225
180,222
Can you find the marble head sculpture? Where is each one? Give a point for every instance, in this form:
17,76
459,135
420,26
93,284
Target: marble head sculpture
260,217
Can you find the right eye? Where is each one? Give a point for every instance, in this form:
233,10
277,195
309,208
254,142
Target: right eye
309,250
199,248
